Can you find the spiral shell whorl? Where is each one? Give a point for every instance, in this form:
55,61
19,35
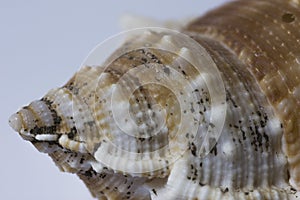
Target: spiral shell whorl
209,114
271,51
146,69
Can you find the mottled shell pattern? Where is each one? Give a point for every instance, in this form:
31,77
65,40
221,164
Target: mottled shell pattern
208,113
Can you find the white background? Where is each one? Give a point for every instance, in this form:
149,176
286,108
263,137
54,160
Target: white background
42,44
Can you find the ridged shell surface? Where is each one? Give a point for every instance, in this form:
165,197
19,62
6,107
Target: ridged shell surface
209,114
265,35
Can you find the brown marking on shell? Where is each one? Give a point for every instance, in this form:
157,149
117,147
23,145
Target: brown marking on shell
108,185
246,127
258,33
261,78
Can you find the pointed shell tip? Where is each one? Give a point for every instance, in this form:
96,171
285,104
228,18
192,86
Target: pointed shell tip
15,122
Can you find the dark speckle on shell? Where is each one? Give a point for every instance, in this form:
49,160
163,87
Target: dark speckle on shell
254,47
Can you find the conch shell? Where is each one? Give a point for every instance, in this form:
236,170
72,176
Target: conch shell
210,112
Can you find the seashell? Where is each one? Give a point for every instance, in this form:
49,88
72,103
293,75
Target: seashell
210,112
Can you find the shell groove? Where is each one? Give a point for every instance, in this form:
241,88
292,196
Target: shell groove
155,122
272,57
